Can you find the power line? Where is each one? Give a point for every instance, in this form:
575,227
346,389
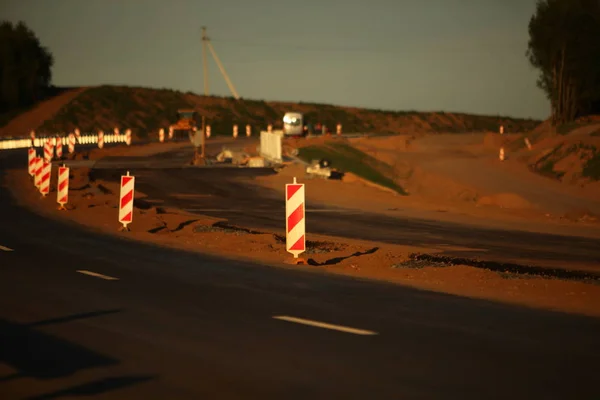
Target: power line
308,48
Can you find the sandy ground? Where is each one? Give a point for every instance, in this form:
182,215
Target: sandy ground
94,205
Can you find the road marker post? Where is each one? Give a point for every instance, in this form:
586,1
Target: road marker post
71,143
100,139
128,137
248,130
31,158
62,188
126,201
161,135
235,131
39,163
528,143
295,227
45,179
207,131
59,148
48,150
338,129
501,155
171,133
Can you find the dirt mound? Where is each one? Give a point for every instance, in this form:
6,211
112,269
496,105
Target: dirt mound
24,123
505,200
145,111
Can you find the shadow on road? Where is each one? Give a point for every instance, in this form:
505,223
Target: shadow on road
96,387
39,355
337,260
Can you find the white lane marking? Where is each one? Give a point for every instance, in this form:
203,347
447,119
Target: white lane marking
5,248
97,275
318,324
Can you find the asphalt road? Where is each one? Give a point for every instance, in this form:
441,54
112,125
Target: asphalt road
165,324
227,193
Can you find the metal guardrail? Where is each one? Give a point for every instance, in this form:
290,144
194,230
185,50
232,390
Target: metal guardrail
84,139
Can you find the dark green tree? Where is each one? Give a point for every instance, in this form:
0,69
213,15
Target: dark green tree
564,45
25,67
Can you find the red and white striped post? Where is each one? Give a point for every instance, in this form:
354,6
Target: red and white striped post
270,128
39,163
100,139
338,129
128,137
78,135
161,135
59,147
207,131
48,150
235,131
295,226
31,158
126,200
171,133
62,189
248,130
71,143
45,179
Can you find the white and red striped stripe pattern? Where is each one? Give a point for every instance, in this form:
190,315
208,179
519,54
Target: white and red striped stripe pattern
45,179
48,150
31,158
248,130
207,131
171,132
235,131
62,189
71,143
128,137
295,221
100,139
161,135
126,199
39,163
59,147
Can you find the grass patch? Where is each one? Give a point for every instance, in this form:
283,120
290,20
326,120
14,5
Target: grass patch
591,168
350,159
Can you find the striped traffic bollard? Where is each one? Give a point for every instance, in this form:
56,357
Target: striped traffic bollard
161,135
235,131
501,154
295,222
78,135
248,130
48,150
126,201
62,189
31,158
59,147
128,137
207,131
45,179
338,129
71,143
100,140
171,133
39,163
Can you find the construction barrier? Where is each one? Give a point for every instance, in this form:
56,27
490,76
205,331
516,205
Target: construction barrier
45,179
39,163
501,155
127,136
126,200
71,143
338,129
207,131
248,130
295,226
59,148
100,140
270,146
235,131
161,135
31,158
62,188
48,150
171,133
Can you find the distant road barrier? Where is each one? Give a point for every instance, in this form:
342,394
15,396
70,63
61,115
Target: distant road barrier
270,145
84,139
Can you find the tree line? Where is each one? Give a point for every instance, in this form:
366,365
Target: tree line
564,45
25,67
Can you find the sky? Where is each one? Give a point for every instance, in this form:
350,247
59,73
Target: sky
424,55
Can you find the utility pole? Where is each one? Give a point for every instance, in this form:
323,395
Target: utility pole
205,65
